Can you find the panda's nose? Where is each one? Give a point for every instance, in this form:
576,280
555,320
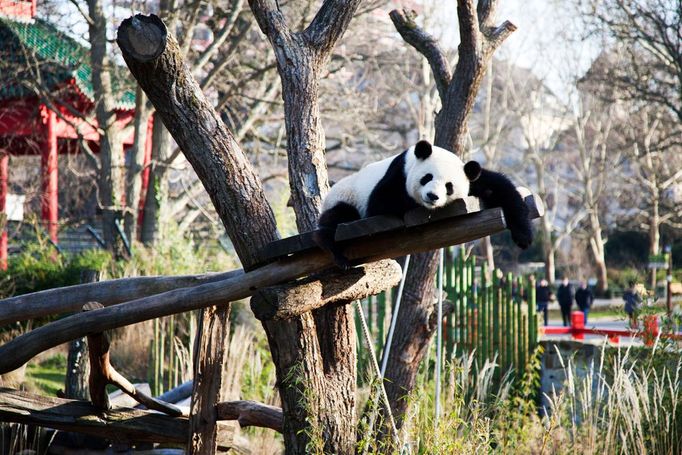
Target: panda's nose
432,196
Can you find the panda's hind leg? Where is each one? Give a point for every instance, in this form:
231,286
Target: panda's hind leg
328,222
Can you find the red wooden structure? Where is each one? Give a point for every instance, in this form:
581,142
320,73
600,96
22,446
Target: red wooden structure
49,125
649,332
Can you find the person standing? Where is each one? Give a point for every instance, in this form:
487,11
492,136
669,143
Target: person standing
632,303
584,298
543,294
564,295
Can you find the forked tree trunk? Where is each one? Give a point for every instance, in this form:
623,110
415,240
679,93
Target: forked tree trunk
314,356
314,353
479,38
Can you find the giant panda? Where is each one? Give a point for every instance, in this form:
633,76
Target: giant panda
423,175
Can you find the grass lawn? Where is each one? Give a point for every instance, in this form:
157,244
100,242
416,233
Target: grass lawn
48,375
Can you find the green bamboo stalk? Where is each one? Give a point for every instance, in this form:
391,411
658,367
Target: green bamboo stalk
508,324
519,328
381,319
524,343
370,305
461,300
497,297
156,357
532,316
483,300
171,351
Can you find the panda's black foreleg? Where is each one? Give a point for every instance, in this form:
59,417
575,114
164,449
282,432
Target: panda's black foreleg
328,222
496,190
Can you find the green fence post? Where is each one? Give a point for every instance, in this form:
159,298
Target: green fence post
381,319
497,297
532,316
483,308
509,319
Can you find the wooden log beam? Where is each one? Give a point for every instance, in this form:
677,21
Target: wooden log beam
70,299
289,300
410,240
119,425
251,413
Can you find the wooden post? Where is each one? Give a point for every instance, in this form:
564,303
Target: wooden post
49,172
4,177
77,365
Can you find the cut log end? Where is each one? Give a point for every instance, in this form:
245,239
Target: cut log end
142,37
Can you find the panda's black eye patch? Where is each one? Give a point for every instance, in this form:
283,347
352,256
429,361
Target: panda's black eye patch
449,189
426,179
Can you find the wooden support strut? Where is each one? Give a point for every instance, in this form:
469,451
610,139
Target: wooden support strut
103,373
388,244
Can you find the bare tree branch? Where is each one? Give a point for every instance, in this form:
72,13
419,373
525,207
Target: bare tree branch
426,45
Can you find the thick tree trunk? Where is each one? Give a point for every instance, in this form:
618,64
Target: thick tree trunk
155,219
134,175
317,370
479,39
112,165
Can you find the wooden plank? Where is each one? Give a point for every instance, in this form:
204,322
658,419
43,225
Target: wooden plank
426,237
459,207
382,224
119,425
367,226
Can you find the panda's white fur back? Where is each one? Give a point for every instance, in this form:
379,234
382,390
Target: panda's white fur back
355,189
443,165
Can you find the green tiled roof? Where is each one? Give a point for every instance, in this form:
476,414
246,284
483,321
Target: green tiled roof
59,57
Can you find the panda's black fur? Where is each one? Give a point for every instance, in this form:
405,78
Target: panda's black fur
390,196
496,190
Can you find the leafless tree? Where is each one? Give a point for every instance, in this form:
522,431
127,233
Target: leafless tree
648,59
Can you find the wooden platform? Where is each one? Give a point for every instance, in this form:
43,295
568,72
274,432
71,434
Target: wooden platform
367,227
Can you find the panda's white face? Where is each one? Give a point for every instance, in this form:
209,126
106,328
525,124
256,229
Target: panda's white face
435,176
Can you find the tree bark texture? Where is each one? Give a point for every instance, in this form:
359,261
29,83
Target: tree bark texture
320,369
134,176
155,222
235,190
211,347
479,38
112,166
77,365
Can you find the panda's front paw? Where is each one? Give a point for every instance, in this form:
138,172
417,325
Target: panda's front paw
523,238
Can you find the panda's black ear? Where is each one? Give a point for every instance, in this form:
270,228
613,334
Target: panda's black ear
422,150
472,170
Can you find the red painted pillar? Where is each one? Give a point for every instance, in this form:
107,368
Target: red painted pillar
146,169
48,168
4,175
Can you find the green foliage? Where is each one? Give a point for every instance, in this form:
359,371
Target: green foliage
40,267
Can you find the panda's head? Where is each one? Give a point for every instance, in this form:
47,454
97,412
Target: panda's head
434,176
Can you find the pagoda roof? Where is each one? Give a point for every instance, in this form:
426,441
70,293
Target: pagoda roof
60,58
